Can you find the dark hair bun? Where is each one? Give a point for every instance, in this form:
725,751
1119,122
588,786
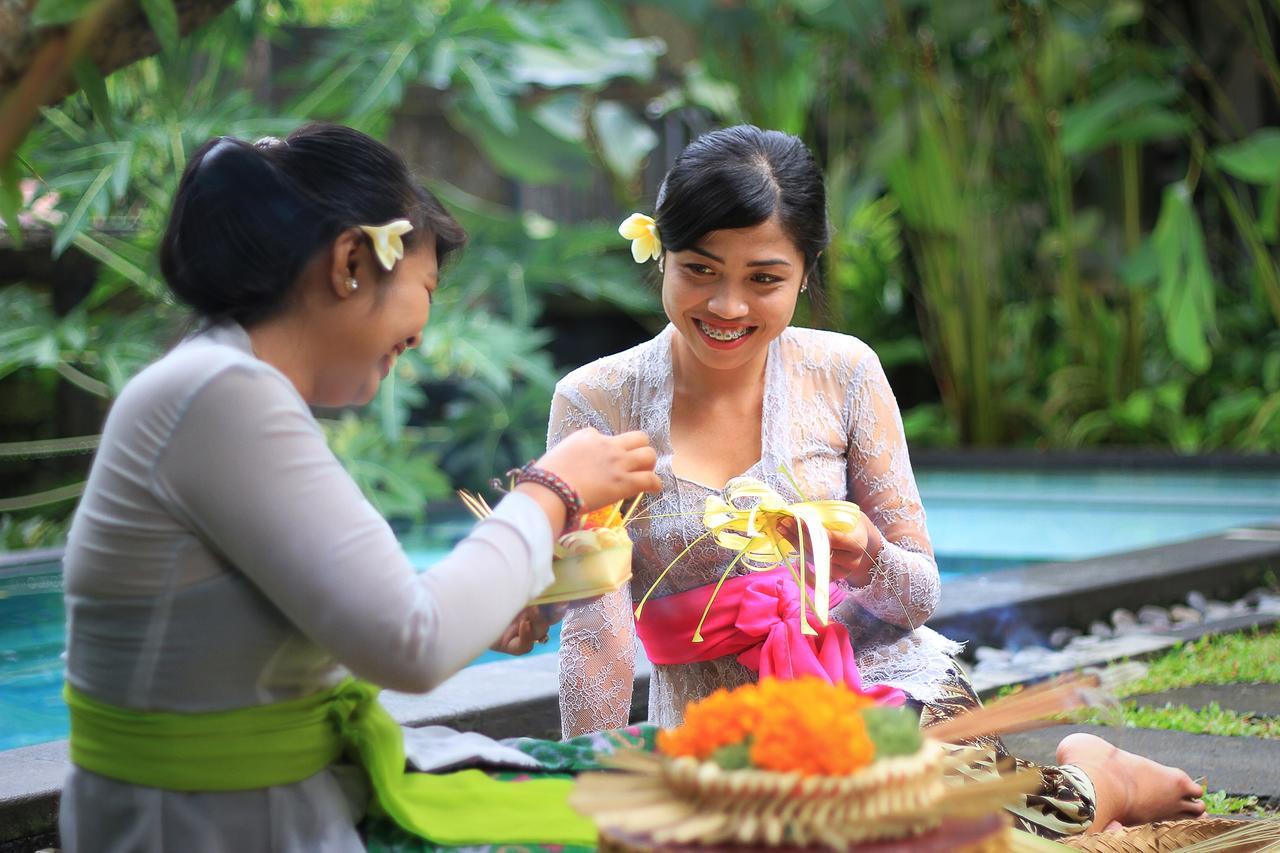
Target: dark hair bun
237,233
247,218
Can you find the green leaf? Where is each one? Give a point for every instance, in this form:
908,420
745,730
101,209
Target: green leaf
563,116
733,757
1271,371
1185,291
1132,108
500,111
1255,160
529,153
163,18
1142,267
76,221
50,13
586,64
11,198
1136,410
624,140
1269,213
90,79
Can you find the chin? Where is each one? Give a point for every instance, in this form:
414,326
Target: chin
365,395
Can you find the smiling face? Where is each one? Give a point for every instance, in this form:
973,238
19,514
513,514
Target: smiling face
731,293
378,323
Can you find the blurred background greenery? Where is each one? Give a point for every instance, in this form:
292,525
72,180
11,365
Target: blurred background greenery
1057,222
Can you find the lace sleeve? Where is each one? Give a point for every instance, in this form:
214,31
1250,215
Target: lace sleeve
597,641
904,587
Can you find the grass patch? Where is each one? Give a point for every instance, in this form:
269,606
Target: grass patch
1245,657
1211,720
1217,802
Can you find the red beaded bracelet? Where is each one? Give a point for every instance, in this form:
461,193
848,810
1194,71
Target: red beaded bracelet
569,496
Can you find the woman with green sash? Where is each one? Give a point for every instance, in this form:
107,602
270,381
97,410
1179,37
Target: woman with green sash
232,599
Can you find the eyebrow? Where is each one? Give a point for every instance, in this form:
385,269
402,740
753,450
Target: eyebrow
767,262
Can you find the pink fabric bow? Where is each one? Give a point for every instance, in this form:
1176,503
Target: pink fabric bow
757,618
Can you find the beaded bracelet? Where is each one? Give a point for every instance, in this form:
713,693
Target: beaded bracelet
569,496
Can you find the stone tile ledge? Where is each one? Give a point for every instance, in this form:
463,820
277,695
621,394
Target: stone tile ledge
1021,605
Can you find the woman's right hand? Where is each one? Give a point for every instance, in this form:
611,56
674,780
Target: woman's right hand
604,469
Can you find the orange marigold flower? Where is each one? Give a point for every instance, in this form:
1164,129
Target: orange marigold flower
806,726
606,516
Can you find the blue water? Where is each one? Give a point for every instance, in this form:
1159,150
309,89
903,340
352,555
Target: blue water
979,522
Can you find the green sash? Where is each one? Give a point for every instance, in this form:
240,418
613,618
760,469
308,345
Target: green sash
286,742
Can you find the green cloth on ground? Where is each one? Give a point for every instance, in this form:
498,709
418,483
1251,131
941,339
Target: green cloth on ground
286,742
577,755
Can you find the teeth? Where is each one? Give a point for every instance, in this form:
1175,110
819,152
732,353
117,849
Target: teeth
720,334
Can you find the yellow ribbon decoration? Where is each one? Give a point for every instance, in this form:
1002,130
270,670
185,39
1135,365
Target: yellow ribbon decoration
746,520
386,241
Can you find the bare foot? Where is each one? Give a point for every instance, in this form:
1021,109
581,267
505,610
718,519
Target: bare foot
1131,789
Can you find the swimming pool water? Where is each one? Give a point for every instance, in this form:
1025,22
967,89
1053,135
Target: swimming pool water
979,522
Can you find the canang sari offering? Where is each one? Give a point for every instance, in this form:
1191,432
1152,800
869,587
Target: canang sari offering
592,559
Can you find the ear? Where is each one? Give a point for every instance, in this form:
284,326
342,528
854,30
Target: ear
344,262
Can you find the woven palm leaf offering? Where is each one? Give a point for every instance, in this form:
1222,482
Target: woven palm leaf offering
805,764
591,559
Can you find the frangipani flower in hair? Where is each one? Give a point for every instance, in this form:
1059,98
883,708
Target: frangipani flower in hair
642,231
386,241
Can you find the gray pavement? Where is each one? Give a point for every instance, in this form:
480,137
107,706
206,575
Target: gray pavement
1241,766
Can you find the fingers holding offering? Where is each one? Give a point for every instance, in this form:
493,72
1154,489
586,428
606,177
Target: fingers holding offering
604,469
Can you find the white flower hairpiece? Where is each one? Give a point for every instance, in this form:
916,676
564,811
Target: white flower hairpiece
642,231
387,244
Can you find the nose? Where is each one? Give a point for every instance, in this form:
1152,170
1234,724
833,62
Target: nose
728,302
412,341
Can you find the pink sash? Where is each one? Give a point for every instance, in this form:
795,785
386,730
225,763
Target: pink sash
757,618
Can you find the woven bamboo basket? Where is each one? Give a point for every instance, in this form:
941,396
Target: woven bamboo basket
684,801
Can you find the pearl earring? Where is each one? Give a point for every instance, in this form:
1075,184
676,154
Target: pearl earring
804,286
352,285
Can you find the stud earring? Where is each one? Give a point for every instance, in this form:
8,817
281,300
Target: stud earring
352,285
804,286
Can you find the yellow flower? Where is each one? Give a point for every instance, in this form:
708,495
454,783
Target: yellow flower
642,231
387,244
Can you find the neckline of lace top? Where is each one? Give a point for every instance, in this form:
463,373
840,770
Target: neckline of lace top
656,418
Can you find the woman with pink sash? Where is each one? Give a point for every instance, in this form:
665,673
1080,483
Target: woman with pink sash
731,389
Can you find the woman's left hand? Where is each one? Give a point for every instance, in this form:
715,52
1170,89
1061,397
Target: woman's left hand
528,629
853,553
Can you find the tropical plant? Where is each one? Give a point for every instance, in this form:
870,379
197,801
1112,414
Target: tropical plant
527,90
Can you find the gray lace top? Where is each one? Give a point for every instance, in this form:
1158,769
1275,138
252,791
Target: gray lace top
831,419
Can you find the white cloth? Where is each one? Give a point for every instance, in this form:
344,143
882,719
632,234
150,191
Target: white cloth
830,418
221,557
439,748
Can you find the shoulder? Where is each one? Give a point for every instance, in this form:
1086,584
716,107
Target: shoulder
617,374
205,366
842,358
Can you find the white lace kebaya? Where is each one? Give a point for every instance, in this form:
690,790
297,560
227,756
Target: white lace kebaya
831,419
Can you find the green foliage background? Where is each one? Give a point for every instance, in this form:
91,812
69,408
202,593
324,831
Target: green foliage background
1050,219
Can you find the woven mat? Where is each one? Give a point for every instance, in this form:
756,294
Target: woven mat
1167,837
